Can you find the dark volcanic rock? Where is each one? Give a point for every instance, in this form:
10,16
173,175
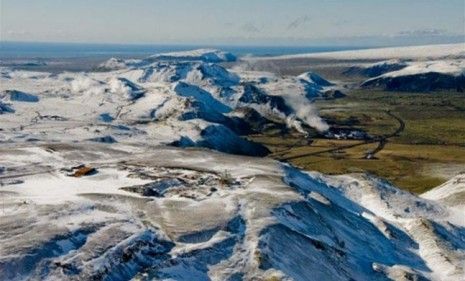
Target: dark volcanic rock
216,137
424,82
203,111
221,138
253,94
155,189
257,122
104,139
15,95
376,69
333,94
6,108
106,117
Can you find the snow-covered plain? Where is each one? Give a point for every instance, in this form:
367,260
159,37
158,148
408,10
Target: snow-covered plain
156,212
427,52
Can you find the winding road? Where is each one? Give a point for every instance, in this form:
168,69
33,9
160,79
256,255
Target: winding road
381,140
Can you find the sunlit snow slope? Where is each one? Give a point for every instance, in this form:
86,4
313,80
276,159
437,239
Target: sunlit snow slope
172,214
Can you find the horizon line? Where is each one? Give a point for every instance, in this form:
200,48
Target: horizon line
229,44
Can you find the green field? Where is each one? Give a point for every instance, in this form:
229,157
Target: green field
433,138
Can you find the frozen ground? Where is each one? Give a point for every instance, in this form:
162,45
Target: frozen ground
151,211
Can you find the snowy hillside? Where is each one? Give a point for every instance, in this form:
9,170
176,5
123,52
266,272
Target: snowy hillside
170,214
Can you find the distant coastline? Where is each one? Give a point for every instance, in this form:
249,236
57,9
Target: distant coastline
14,50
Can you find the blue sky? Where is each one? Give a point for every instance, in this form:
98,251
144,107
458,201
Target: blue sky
270,22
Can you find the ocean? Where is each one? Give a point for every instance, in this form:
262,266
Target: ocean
22,50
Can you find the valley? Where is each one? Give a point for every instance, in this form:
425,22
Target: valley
433,136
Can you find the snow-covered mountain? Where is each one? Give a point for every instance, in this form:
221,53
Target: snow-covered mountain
205,55
91,187
376,69
416,69
159,213
179,98
421,76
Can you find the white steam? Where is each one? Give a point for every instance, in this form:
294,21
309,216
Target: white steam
293,93
119,87
307,112
84,84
